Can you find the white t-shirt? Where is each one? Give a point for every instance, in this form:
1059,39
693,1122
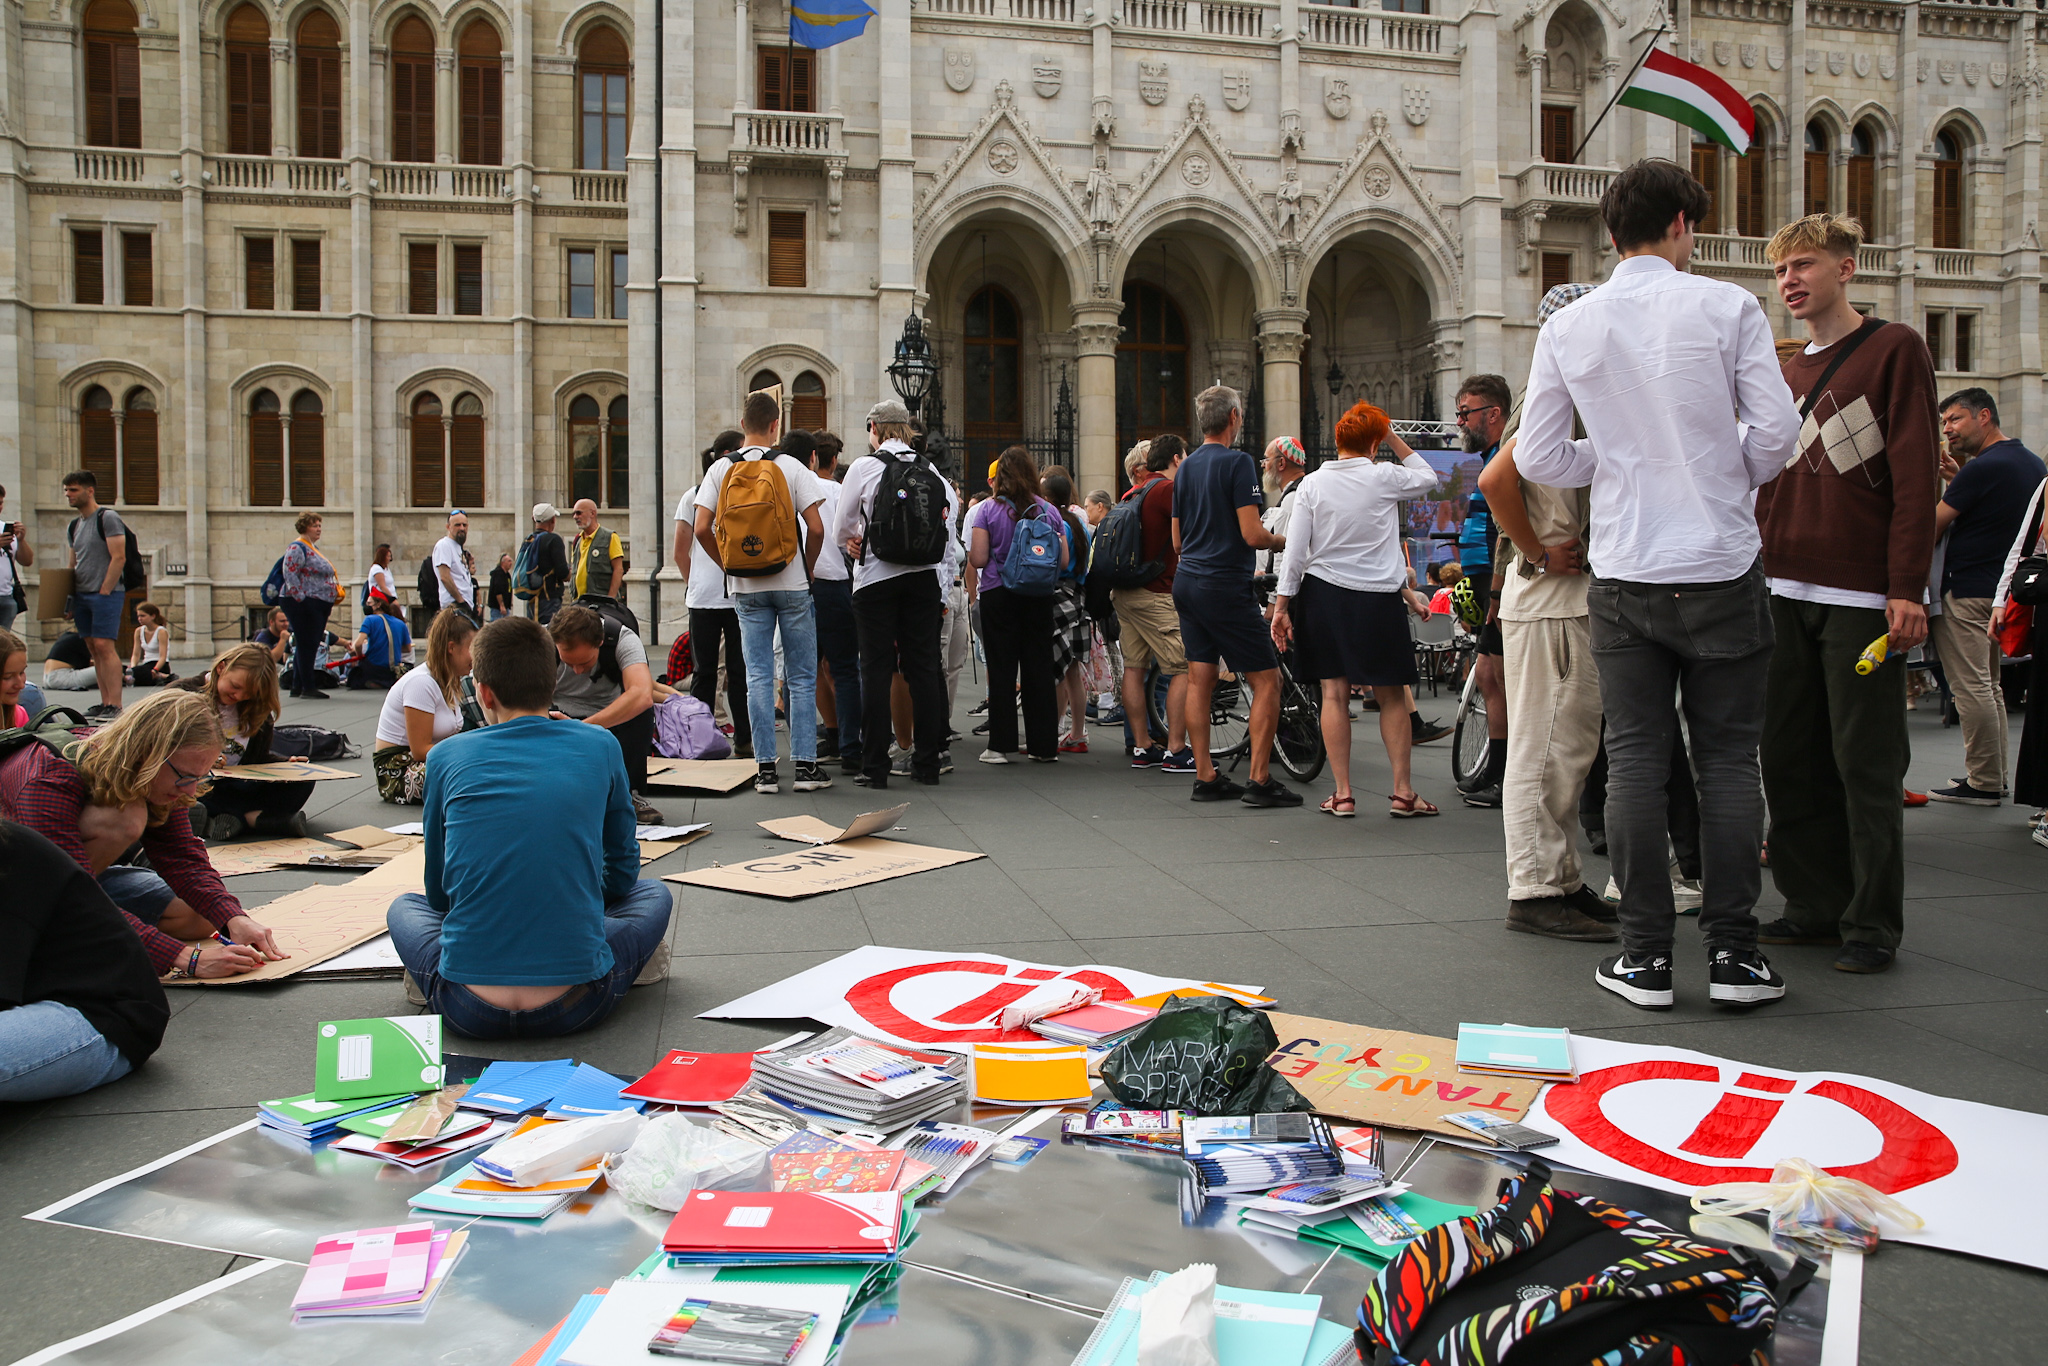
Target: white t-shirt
707,582
448,554
857,504
804,492
380,580
832,559
234,744
416,691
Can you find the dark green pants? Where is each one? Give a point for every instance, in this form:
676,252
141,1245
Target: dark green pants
1834,762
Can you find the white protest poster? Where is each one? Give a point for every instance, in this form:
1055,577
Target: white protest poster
912,996
1680,1120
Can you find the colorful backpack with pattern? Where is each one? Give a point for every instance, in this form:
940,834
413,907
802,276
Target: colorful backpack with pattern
1547,1278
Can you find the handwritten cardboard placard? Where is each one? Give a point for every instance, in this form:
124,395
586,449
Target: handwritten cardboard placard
1389,1077
824,868
701,775
283,773
315,924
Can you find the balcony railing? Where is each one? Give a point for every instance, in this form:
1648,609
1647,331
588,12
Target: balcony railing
277,173
407,178
1245,19
116,166
1040,11
1372,30
768,132
1959,265
1574,186
1730,251
598,187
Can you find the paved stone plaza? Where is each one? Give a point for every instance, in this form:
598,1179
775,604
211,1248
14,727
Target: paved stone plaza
1374,921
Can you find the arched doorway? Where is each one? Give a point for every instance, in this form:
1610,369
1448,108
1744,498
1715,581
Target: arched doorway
992,341
1151,369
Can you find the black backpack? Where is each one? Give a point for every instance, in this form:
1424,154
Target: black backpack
1546,1276
54,728
310,742
430,585
908,524
612,610
133,576
1116,559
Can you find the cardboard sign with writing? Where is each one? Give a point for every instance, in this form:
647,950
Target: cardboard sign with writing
283,773
1388,1076
701,775
315,924
373,848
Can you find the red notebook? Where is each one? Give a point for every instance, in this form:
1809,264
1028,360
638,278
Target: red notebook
694,1078
1103,1018
785,1221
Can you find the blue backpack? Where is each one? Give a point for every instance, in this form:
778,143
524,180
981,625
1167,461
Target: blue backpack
273,586
1032,566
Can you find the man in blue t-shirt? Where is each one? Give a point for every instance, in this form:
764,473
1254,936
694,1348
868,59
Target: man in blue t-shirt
1981,515
381,643
1216,533
539,935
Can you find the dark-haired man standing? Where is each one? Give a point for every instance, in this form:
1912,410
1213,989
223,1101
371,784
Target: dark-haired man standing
1650,361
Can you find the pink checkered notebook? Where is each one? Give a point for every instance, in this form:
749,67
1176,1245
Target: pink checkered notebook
367,1264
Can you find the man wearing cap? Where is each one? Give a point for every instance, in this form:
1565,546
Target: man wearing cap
551,559
1286,462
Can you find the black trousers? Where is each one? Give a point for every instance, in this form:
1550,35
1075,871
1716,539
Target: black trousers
1016,632
308,618
839,642
898,621
1679,792
239,796
708,627
636,742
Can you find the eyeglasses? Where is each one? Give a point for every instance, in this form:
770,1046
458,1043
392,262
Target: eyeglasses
185,779
1462,413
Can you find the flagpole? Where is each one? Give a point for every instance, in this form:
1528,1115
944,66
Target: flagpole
1663,27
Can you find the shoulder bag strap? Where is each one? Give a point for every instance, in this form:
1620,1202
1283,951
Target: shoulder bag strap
1848,347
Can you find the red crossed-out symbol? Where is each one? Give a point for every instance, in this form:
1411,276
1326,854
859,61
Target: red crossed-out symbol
1914,1151
871,997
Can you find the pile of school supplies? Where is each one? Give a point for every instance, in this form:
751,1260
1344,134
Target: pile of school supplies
1373,1229
1252,1328
1030,1076
785,1228
590,1091
516,1088
955,1149
750,1322
1310,1204
311,1119
839,1075
693,1079
1156,1131
1510,1050
377,1273
1235,1153
1094,1026
462,1131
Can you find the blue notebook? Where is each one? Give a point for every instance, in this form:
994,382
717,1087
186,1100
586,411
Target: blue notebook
589,1091
1516,1051
571,1326
511,1088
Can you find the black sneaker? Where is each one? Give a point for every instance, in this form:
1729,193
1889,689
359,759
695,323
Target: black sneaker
312,695
1962,794
981,729
863,780
1151,756
945,761
1742,977
1180,760
1271,792
766,781
924,779
1217,789
1485,797
1426,731
979,708
1592,907
828,742
1783,931
809,778
1857,956
1646,984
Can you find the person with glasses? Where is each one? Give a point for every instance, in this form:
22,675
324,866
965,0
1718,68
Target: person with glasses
136,779
1482,412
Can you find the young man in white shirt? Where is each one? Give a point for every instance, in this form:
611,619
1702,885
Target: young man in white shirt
713,623
458,585
767,603
897,608
832,596
1676,379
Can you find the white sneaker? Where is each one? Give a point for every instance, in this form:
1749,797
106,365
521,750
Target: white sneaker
1686,895
2041,835
989,756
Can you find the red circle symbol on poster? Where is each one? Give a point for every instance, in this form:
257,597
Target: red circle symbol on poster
1911,1152
957,1001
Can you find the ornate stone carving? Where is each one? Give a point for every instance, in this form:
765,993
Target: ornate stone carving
1415,104
1337,97
959,68
1378,123
1378,181
1002,157
1946,71
1237,89
1151,81
1698,51
1195,170
1887,65
1101,195
1774,57
1287,206
1926,65
742,163
1103,116
1750,52
1292,136
1973,72
1862,66
835,180
1724,51
1836,62
1046,75
1813,60
1998,71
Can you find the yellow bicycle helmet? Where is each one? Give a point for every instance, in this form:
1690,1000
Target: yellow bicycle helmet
1465,603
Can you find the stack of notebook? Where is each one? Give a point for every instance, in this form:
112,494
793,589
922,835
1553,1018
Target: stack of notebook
844,1165
462,1131
303,1117
589,1091
383,1273
789,1324
1510,1050
875,1086
1095,1026
1233,1153
517,1088
784,1228
1253,1328
1373,1229
694,1079
1030,1076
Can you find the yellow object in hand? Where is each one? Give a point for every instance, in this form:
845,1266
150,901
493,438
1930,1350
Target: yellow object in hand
1874,654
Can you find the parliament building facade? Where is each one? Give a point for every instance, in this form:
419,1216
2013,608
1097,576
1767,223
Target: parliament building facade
385,258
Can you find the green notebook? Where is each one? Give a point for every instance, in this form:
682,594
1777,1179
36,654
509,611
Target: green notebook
1342,1231
355,1058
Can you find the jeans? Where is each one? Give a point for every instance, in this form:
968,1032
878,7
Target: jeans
1713,640
839,643
1017,633
8,609
139,891
1835,750
544,609
49,1050
711,627
98,615
760,614
633,926
1681,798
308,617
899,630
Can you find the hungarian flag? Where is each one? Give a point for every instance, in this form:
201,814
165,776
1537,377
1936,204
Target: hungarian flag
1694,96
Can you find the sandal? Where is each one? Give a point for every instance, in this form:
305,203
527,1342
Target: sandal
1334,805
1417,805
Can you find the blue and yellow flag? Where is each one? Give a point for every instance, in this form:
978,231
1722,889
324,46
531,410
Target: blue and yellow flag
822,23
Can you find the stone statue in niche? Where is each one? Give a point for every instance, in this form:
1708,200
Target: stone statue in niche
1101,195
1287,205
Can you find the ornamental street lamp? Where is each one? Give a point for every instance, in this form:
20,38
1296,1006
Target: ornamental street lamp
914,372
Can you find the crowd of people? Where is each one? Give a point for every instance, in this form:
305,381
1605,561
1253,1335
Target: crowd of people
1700,558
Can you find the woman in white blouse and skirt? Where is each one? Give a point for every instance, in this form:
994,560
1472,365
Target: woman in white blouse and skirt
1344,595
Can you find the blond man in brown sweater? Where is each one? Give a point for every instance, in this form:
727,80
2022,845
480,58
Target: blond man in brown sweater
1848,530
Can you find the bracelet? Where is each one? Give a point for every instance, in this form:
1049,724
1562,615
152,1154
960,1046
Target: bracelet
192,967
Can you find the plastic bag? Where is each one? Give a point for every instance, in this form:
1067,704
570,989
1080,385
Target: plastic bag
1177,1319
673,1157
1807,1205
1202,1054
554,1150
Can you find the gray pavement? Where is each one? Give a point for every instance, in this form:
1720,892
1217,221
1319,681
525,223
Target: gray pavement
1392,923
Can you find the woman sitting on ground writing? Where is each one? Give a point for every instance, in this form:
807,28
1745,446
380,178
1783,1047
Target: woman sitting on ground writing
134,779
242,688
422,709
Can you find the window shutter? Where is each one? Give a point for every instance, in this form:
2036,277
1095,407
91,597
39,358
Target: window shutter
1706,169
1557,269
88,266
1863,194
1751,193
786,250
412,122
127,94
426,460
1948,205
266,460
96,444
482,114
306,275
138,281
139,457
1966,338
309,460
238,101
472,115
320,103
259,272
330,106
772,96
801,84
99,92
1560,123
466,459
1816,182
469,279
423,286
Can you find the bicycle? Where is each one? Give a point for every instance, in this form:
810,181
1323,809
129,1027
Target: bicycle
1230,715
1469,738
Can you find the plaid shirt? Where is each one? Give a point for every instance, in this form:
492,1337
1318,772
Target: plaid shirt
46,794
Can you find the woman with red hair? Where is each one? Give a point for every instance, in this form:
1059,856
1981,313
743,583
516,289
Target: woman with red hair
1344,577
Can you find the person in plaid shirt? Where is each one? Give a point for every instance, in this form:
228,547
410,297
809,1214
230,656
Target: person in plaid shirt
136,779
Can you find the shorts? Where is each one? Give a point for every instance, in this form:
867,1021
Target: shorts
1482,593
1220,622
1150,631
138,891
98,615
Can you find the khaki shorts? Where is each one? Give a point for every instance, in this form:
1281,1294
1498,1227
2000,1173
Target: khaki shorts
1151,630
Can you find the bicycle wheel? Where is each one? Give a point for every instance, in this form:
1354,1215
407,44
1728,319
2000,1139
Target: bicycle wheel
1298,742
1156,685
1230,719
1469,740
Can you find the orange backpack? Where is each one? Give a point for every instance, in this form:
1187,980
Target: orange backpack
755,525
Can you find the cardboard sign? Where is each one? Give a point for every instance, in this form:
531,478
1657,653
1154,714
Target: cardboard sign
315,924
1389,1077
1680,1120
373,848
261,856
811,830
913,996
53,594
283,773
824,867
701,775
